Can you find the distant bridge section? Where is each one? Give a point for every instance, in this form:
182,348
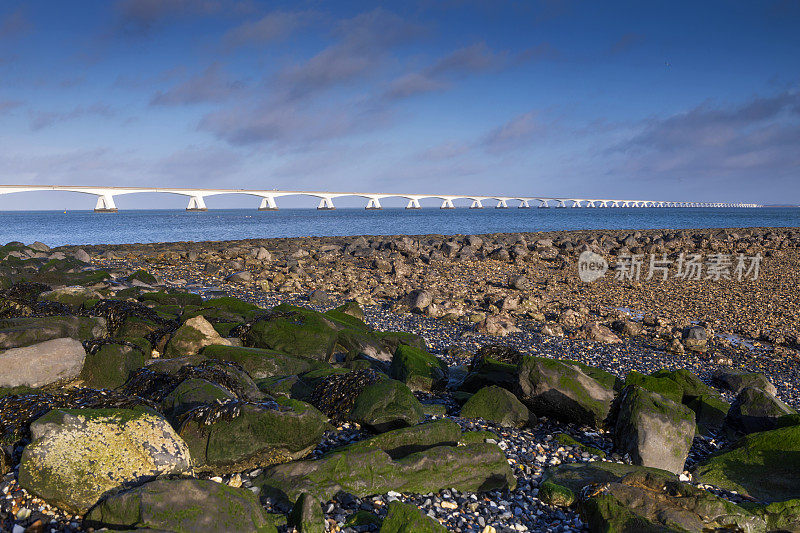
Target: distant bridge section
105,198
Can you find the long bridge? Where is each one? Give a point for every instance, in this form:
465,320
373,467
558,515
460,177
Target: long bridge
105,198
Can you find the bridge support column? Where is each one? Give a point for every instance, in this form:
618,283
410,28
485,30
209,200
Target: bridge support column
476,204
576,203
413,203
105,204
447,204
501,204
326,204
523,204
197,203
590,204
544,204
374,203
561,203
268,204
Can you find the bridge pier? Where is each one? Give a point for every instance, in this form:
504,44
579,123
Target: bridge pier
544,204
476,204
374,203
447,204
501,204
268,204
326,204
197,203
105,204
413,203
523,204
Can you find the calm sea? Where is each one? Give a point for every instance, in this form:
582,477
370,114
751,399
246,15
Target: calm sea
86,227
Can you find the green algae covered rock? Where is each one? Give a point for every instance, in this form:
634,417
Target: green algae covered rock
77,455
606,379
653,502
109,365
407,518
763,465
260,363
386,405
194,335
497,405
192,393
471,468
709,413
655,430
182,506
181,299
554,389
231,436
401,442
691,385
294,331
661,385
756,410
418,369
307,516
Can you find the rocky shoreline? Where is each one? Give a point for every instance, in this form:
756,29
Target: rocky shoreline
403,383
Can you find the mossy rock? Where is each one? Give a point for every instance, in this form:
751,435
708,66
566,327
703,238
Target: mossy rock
228,438
347,319
709,412
290,386
606,379
558,495
143,276
656,431
490,372
418,369
25,331
568,440
110,366
231,305
75,297
781,516
363,518
471,468
664,386
182,506
434,409
393,339
755,410
691,385
352,309
473,437
647,501
401,442
386,405
764,465
558,390
261,363
497,405
407,518
307,516
305,334
192,393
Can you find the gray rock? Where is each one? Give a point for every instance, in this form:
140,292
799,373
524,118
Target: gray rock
41,364
262,254
737,380
519,282
17,332
564,392
756,410
654,430
182,505
240,277
420,299
81,255
599,333
39,247
306,515
695,338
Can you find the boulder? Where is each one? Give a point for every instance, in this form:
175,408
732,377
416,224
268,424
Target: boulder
690,385
182,506
190,394
710,412
232,435
418,369
260,363
554,389
656,431
764,465
406,518
562,485
599,333
109,365
519,282
18,332
756,410
306,515
74,297
195,334
41,364
695,338
418,300
401,442
77,455
386,405
471,468
497,405
294,331
644,501
496,325
737,380
661,385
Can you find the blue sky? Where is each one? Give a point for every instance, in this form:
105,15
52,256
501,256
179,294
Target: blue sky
661,100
